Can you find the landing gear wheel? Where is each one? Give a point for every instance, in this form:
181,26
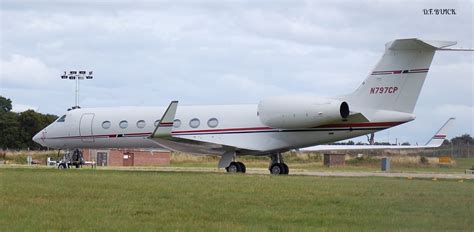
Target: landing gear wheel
243,169
279,169
276,169
286,170
233,167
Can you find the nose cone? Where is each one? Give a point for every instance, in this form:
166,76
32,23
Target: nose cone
39,138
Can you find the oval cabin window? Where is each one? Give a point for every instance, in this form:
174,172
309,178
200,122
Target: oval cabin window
176,123
141,124
213,122
123,124
194,123
106,124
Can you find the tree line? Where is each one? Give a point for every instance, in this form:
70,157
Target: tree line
18,129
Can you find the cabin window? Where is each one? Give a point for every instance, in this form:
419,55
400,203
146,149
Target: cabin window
213,122
106,124
141,124
123,124
157,122
194,123
176,123
62,118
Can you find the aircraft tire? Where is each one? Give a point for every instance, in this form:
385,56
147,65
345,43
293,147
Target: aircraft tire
233,167
243,169
286,170
277,169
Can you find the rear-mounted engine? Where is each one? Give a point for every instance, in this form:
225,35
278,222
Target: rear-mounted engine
301,112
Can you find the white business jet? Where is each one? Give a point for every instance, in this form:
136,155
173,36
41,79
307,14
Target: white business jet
386,98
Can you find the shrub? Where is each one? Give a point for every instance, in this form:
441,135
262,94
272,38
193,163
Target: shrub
424,160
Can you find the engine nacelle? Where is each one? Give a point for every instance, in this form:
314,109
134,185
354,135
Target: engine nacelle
301,112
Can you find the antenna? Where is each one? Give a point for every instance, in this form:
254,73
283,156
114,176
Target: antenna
77,76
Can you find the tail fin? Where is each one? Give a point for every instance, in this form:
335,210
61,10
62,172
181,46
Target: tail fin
396,81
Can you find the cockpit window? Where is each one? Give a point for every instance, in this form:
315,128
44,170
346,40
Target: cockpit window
62,118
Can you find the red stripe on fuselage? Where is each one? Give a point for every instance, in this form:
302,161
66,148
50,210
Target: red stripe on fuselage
342,125
249,129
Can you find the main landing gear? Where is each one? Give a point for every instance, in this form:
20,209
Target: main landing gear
228,162
277,166
236,167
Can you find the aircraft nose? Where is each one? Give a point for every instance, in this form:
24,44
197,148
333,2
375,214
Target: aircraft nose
39,138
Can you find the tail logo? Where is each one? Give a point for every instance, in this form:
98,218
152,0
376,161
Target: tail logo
407,71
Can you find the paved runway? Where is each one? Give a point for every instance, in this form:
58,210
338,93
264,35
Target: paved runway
297,172
301,172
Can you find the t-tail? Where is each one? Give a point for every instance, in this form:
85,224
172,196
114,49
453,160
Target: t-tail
395,82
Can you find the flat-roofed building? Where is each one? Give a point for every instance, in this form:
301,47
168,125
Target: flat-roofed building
127,157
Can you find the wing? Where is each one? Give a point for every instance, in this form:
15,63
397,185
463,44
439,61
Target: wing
163,129
163,137
435,141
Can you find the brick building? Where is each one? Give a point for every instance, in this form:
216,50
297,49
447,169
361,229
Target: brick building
334,160
127,157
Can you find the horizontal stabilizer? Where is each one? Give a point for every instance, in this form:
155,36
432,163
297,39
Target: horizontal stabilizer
418,44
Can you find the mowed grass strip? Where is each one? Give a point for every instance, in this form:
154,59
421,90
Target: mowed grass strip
84,200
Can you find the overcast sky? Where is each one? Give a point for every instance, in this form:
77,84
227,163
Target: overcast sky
147,53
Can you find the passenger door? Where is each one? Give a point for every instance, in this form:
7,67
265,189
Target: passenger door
85,128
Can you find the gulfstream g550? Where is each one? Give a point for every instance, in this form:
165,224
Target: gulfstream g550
386,98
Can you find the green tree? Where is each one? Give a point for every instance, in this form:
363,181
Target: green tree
31,123
5,104
462,140
10,131
18,129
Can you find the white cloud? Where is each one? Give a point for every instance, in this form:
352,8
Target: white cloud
26,72
20,108
464,117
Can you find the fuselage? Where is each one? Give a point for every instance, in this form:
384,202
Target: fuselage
229,126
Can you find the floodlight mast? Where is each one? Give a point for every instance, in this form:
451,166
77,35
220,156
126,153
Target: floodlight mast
77,76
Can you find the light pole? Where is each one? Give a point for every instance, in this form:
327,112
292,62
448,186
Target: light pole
77,76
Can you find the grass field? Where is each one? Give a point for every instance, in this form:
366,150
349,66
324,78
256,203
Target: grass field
85,199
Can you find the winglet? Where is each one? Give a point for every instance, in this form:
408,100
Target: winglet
166,123
440,135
